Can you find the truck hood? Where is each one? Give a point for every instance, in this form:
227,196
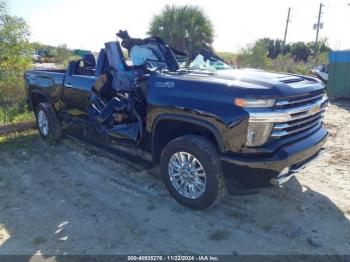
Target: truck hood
251,82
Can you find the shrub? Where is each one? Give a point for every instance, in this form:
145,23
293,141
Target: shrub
15,57
297,60
229,58
254,56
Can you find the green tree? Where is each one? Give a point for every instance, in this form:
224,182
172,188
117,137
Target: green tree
259,58
274,47
300,51
255,56
62,53
322,46
183,27
15,56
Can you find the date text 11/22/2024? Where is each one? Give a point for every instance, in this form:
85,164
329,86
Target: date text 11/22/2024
173,258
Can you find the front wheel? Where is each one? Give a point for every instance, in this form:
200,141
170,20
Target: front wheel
192,172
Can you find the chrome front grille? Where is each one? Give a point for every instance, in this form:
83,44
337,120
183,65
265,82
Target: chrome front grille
293,115
297,126
299,100
306,112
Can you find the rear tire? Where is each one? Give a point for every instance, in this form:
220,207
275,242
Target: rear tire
47,122
192,172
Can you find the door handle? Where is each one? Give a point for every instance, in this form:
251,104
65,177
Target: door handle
68,85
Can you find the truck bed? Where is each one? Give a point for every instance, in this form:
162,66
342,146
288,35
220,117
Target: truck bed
50,70
45,78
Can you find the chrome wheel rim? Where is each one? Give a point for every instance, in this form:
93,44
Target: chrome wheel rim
43,123
187,175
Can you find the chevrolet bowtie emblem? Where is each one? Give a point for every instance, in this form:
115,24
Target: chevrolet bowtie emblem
315,110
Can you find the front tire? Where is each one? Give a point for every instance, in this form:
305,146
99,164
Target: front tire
48,125
192,172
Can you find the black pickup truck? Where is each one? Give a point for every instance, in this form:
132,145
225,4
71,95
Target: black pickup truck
210,130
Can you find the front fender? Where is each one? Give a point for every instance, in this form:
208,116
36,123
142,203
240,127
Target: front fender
230,137
188,119
198,99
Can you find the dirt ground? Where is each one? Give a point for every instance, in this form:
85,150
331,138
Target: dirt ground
65,199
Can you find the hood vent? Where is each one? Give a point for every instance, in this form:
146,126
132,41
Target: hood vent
292,80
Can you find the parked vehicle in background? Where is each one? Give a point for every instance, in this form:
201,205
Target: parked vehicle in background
43,56
36,57
321,72
210,130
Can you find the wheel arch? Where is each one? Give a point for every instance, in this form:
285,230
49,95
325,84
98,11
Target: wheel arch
171,126
36,97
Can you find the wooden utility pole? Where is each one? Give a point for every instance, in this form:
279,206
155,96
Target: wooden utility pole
286,30
318,27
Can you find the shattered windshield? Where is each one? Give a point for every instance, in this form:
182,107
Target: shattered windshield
211,64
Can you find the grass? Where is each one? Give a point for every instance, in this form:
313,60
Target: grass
228,57
23,117
15,115
6,119
3,139
18,140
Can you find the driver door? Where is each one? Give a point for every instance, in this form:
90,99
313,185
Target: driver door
77,90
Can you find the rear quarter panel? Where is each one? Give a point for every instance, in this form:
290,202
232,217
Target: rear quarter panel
47,83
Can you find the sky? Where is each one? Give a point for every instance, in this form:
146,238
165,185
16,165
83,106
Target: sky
88,24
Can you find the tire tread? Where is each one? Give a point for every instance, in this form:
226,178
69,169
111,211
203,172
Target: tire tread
209,149
55,129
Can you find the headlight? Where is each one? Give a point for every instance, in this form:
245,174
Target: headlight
251,102
258,133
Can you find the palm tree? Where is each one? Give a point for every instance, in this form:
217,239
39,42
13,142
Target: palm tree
183,27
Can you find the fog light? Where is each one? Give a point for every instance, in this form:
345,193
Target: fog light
258,133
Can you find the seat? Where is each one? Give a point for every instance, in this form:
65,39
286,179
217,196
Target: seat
102,63
86,66
89,60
